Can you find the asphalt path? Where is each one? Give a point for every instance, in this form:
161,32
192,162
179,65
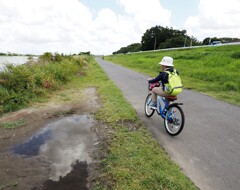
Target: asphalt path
208,149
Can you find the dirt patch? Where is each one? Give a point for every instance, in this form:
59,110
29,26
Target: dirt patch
33,172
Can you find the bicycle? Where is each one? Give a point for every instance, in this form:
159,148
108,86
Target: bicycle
172,113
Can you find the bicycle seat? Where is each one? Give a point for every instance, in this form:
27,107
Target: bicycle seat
171,98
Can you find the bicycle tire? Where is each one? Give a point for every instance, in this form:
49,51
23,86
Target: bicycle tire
148,111
174,120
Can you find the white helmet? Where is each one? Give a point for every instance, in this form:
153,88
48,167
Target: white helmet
167,61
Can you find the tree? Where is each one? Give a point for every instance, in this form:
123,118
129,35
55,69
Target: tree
206,41
173,42
47,56
152,37
194,41
85,53
134,47
159,37
130,48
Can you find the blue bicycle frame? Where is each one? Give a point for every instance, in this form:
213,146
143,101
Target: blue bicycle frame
162,110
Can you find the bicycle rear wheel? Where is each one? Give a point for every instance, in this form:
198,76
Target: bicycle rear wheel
148,111
174,120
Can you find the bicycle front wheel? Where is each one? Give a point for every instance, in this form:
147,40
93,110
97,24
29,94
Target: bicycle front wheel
174,120
148,111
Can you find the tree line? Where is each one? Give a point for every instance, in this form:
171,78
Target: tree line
159,37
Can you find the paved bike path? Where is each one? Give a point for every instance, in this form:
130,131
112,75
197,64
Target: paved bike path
208,149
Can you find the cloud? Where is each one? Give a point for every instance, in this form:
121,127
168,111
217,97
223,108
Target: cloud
146,13
42,24
215,19
28,26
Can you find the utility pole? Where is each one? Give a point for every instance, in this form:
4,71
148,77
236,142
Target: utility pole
191,41
185,40
155,43
209,42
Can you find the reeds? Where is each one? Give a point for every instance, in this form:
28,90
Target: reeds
20,84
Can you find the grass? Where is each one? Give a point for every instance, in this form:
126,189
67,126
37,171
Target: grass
134,159
21,84
12,125
10,185
211,70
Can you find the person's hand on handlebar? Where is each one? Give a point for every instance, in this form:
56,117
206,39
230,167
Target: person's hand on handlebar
149,79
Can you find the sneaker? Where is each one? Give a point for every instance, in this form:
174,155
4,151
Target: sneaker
153,105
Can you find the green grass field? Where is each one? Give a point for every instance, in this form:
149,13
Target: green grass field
212,70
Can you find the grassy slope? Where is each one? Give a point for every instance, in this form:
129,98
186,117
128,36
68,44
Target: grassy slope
211,70
134,159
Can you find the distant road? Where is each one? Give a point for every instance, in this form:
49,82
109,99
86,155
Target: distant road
189,47
208,149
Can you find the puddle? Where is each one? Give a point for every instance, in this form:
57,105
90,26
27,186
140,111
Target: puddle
75,180
32,146
65,144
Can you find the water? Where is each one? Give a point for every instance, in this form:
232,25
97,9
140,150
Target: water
32,146
66,144
75,180
15,60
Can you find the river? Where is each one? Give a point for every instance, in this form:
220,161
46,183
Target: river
15,60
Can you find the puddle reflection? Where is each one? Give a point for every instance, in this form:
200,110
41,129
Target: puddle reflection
75,180
32,146
62,143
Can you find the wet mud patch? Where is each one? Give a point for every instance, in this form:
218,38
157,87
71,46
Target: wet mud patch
53,150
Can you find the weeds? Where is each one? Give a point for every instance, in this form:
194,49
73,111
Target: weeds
236,55
12,125
10,185
230,86
20,84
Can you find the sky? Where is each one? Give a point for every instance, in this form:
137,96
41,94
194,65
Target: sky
104,26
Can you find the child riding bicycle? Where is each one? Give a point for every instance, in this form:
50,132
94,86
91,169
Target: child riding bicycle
163,90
